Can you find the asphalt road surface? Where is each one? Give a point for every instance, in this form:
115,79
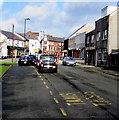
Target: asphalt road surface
71,93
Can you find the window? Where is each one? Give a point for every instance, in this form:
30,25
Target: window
98,36
104,34
32,45
45,42
92,38
88,38
8,42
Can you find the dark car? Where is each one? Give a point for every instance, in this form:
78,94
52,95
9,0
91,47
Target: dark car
24,60
33,59
47,62
68,61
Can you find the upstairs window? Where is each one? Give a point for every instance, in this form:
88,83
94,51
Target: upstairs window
104,34
98,36
45,42
88,40
92,39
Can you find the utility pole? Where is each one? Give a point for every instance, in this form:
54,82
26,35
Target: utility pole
42,39
12,41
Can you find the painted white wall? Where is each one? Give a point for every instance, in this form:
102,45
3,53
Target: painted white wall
21,43
113,35
3,45
2,37
34,46
3,49
108,10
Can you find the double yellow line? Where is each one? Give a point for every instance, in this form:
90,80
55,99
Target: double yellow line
51,93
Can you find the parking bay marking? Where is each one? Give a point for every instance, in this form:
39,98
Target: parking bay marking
71,99
96,100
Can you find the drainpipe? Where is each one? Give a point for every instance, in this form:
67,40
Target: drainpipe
72,53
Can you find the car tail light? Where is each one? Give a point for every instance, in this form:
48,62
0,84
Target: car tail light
56,62
39,61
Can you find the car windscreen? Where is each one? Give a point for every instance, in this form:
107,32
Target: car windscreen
71,58
68,58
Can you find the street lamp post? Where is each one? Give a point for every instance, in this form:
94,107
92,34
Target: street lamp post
25,29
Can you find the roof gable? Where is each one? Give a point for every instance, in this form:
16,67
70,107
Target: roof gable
81,30
9,35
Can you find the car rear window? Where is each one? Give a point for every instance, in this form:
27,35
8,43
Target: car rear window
33,57
47,58
24,57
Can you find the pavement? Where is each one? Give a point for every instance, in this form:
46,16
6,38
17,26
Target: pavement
97,69
83,66
100,69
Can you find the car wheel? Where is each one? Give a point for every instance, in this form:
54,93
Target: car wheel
19,64
40,70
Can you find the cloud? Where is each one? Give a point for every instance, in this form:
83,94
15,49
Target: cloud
61,1
58,19
1,3
7,25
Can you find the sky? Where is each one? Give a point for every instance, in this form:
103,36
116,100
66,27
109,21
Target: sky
59,18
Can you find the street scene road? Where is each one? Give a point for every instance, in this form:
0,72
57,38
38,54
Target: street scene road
59,59
72,92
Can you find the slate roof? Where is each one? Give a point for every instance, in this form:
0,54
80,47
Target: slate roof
9,35
56,39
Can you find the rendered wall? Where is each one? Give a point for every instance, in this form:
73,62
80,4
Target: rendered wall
113,36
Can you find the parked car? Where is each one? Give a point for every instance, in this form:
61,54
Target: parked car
3,57
24,60
47,62
33,59
68,61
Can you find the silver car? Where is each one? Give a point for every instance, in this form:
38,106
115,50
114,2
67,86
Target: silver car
68,61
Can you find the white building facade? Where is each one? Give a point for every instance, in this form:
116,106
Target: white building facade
34,46
3,45
11,44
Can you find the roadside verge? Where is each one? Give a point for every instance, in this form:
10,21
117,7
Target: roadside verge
4,67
